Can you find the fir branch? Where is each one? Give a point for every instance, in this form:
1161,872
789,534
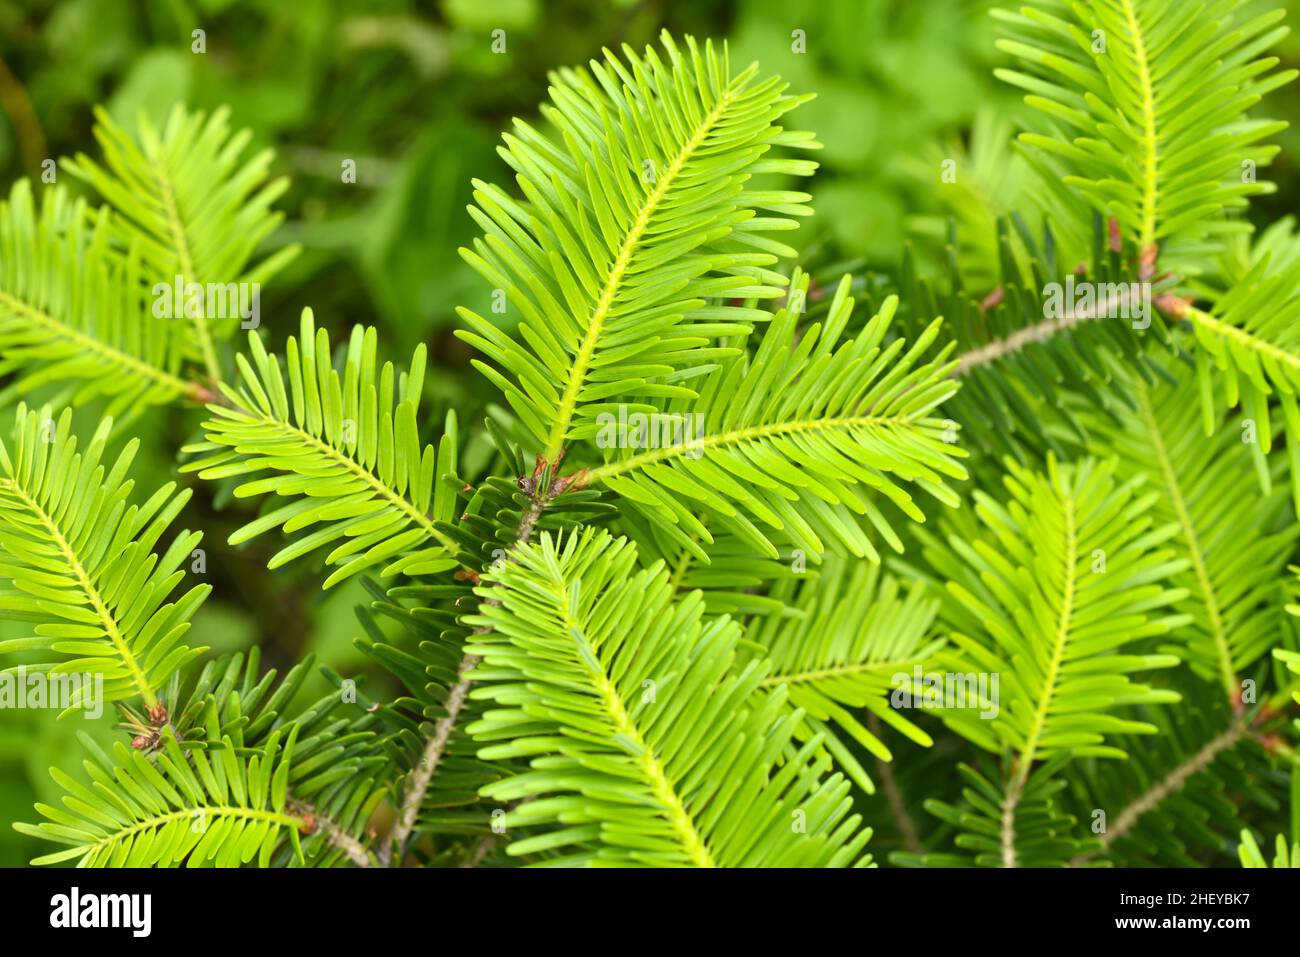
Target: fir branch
1040,332
1195,549
577,376
105,352
647,174
175,228
422,776
1166,786
579,636
314,820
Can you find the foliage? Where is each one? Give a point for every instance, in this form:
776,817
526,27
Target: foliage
687,573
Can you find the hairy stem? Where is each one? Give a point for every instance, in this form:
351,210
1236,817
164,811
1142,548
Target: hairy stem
1162,789
394,849
1040,332
1008,830
894,795
422,775
357,852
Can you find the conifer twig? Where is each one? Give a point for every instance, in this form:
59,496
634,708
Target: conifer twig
1008,829
1039,332
357,852
418,785
1166,786
394,849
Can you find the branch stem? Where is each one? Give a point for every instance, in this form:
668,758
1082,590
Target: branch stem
394,849
1162,789
357,852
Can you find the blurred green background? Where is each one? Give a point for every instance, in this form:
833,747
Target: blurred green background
414,95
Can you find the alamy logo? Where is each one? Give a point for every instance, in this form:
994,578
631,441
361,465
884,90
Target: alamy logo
657,430
1098,300
946,691
133,911
214,300
44,689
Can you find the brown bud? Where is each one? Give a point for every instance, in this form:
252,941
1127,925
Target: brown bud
1147,263
1270,742
578,480
1172,305
992,299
